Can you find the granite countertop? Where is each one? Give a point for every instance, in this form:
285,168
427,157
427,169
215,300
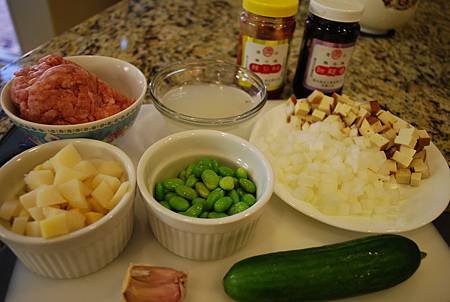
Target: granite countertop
407,72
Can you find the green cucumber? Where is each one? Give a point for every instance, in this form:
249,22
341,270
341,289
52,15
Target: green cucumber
329,272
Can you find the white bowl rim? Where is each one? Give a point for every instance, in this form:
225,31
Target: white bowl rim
12,116
8,235
154,204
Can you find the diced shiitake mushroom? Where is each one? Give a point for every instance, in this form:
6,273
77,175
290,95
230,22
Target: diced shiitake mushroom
64,194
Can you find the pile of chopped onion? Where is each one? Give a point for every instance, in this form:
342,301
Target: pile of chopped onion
331,170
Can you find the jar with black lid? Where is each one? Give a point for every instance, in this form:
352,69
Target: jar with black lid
331,31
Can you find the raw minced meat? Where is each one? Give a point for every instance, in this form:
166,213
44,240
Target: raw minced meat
59,92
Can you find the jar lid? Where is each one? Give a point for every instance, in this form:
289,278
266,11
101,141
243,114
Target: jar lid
337,10
271,8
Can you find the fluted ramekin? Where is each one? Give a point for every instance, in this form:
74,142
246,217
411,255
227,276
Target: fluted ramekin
200,238
83,251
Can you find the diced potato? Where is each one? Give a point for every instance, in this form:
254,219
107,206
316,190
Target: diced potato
112,181
28,200
33,229
49,195
38,178
19,225
86,189
50,211
96,206
24,213
110,167
66,157
54,226
75,220
37,213
9,209
92,217
103,194
72,191
5,224
65,174
119,194
87,169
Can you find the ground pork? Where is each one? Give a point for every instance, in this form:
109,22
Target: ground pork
59,92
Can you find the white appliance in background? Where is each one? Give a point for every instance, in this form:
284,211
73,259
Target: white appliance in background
380,16
37,21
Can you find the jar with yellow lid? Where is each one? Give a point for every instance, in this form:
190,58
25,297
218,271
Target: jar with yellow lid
267,27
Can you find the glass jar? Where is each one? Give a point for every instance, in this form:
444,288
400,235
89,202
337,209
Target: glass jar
267,27
331,31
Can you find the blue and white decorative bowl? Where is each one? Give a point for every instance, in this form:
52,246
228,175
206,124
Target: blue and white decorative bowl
120,75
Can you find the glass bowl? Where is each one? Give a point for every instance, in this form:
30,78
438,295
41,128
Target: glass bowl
208,94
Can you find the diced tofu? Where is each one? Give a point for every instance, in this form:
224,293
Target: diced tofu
424,137
33,229
86,168
399,124
318,115
92,217
28,200
415,179
19,225
37,178
103,195
65,174
66,157
75,220
365,129
422,155
407,150
350,119
326,104
377,127
119,194
407,137
49,195
403,176
402,158
386,117
380,141
390,134
37,213
54,226
302,108
342,109
96,206
374,107
72,191
315,97
422,168
110,167
392,166
50,211
112,181
9,209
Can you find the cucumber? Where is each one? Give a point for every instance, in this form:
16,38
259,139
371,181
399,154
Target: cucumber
323,273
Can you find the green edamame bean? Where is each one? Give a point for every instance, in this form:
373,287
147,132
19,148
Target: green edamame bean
237,208
198,169
159,191
186,192
182,175
169,195
216,215
213,197
171,183
199,200
234,195
205,161
165,204
247,185
227,183
191,180
236,182
225,171
241,192
179,203
204,214
241,173
195,210
201,189
223,204
215,165
249,199
189,169
210,179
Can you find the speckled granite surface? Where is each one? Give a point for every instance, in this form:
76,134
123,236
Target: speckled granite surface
407,72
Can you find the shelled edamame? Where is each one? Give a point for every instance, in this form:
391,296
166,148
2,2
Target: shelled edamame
207,189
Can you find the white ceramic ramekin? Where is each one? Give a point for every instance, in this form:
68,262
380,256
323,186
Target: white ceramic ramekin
86,250
200,238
